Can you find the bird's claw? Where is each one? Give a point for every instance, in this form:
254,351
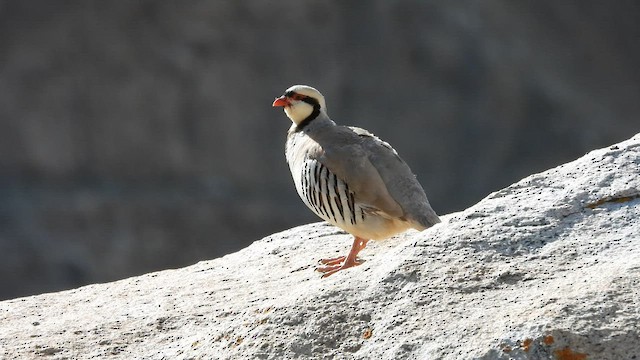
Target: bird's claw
333,261
335,266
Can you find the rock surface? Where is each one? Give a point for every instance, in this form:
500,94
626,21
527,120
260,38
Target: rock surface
547,268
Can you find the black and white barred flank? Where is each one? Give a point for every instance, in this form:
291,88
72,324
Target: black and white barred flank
327,195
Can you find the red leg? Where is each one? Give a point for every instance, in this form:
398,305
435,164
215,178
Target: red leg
349,261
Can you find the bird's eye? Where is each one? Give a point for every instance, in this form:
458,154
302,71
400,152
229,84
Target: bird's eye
296,96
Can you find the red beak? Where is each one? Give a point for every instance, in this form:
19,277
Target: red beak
281,101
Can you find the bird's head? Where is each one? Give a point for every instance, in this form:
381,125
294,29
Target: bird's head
301,103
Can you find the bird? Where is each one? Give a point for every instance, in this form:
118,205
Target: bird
349,177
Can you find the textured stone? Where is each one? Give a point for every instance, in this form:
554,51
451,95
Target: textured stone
547,268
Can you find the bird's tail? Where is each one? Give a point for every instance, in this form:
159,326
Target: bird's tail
425,221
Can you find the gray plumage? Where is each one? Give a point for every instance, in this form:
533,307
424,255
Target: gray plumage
349,177
382,184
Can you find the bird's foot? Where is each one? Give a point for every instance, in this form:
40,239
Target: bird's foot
333,261
343,262
336,266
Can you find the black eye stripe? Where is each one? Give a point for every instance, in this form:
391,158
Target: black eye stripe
308,99
295,95
311,101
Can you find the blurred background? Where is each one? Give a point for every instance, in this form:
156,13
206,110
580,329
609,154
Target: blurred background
139,135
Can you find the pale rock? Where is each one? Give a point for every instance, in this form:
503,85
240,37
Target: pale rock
547,268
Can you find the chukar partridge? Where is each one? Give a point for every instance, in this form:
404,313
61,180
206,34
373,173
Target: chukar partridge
349,177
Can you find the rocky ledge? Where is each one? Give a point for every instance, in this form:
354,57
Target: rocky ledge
547,268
